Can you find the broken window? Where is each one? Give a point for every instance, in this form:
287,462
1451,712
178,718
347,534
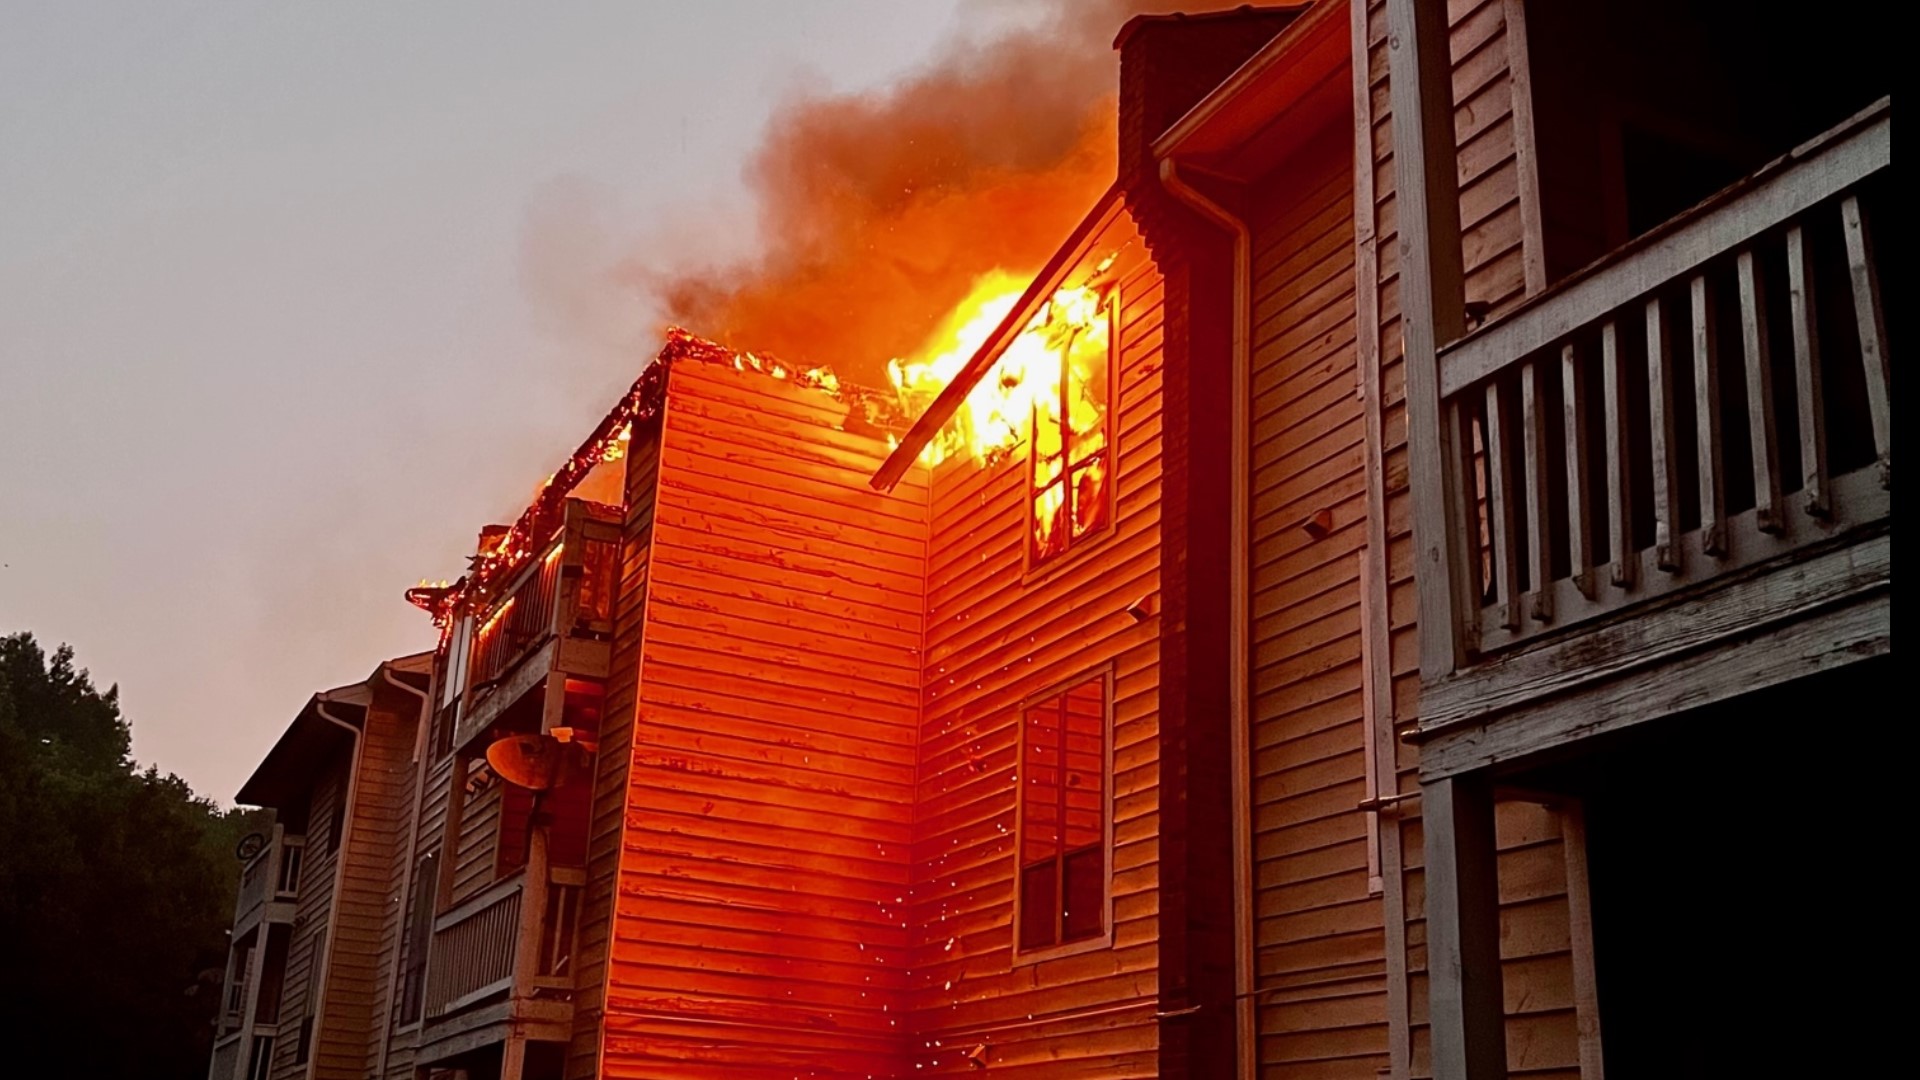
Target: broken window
1071,489
1064,815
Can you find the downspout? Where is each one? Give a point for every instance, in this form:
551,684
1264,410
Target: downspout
1239,708
339,880
413,843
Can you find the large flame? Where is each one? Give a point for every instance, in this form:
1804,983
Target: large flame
1067,337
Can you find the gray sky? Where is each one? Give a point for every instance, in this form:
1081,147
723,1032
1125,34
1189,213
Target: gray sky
294,298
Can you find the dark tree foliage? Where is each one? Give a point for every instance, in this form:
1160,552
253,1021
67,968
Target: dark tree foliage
116,884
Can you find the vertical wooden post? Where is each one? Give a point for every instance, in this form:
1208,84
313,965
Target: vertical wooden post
1762,427
1706,416
1502,514
1586,997
1463,931
1613,376
1872,323
1666,448
1806,375
1432,309
1533,435
1573,394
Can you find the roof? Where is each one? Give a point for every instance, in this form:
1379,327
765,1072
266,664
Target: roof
1133,25
1271,104
310,741
1043,286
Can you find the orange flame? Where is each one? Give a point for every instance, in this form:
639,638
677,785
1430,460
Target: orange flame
1067,337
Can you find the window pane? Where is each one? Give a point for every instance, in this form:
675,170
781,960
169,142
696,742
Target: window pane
1038,890
1086,366
1086,894
1090,496
1050,521
1040,785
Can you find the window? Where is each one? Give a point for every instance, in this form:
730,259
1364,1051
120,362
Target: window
1065,818
413,964
1071,460
337,827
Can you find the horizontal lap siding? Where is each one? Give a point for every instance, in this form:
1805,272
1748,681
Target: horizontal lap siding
608,812
1319,944
993,641
366,922
313,916
770,795
1541,1033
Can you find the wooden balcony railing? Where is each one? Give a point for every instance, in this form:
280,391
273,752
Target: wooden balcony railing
226,1057
486,945
274,874
1711,397
473,948
555,614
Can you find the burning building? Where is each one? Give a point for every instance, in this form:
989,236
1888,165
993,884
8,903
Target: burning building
1083,701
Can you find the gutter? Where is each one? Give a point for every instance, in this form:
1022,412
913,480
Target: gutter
318,986
1239,707
410,866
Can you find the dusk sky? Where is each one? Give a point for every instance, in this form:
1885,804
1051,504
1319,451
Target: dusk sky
294,298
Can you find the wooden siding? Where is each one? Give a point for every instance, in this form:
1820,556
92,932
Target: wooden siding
607,815
364,924
479,841
313,912
769,801
1319,944
993,640
1541,1033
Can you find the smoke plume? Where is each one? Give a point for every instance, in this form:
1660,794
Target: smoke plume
877,212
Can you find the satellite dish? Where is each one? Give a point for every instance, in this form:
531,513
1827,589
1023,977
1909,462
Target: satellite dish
534,762
249,846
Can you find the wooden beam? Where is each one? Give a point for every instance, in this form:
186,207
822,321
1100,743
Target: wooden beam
1526,147
1615,390
1463,931
1573,400
1432,303
1821,614
1377,631
1586,993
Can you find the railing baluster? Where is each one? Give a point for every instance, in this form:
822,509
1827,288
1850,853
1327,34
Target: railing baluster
1573,393
1666,465
1613,376
1706,413
1873,329
1533,423
1763,428
1501,511
1806,374
1469,556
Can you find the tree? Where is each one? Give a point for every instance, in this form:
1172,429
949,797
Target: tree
116,884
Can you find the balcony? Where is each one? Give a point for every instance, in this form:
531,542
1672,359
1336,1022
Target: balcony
506,954
1685,442
270,883
554,615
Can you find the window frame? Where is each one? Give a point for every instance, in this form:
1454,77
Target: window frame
1104,675
1032,568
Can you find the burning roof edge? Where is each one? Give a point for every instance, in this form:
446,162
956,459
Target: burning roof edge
1042,287
641,403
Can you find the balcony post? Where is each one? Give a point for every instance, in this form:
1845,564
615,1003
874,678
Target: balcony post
1463,930
1432,313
